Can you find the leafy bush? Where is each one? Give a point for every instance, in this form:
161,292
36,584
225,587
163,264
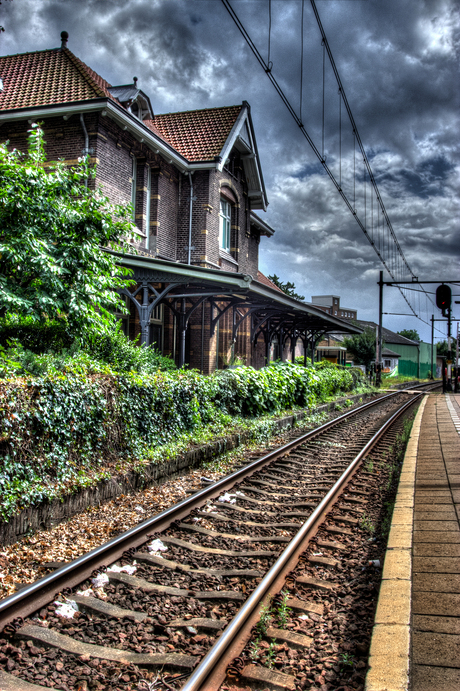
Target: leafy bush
60,430
300,360
38,337
38,350
123,355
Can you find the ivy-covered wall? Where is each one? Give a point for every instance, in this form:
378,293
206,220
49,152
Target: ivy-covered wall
60,432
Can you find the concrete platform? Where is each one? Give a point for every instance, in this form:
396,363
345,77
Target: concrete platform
416,640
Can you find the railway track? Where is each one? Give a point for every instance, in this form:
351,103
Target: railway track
184,587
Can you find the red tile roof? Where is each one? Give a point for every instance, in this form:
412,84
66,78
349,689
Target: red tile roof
57,76
48,77
199,135
261,278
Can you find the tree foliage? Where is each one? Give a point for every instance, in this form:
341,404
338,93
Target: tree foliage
53,231
288,288
442,347
362,346
410,333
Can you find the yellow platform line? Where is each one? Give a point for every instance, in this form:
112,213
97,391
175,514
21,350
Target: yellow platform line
390,644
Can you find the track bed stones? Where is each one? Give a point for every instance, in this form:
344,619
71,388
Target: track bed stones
338,579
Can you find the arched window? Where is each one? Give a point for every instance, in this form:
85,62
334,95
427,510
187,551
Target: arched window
225,224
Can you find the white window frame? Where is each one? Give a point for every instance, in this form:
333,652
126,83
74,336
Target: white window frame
134,186
225,225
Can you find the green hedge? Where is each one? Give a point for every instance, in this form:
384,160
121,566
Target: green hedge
57,430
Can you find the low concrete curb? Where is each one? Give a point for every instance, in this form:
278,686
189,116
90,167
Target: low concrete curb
390,644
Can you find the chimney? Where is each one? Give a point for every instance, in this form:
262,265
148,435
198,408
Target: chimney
135,81
64,39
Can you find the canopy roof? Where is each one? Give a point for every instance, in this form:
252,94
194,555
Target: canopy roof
271,312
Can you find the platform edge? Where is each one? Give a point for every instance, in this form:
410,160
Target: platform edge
389,655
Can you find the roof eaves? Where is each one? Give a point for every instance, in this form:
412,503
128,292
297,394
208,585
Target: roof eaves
264,227
343,325
58,108
261,177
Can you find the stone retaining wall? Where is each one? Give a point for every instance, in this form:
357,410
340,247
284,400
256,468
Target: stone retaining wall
48,514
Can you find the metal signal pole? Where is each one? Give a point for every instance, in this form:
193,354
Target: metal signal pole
378,354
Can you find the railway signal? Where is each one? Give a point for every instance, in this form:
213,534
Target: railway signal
443,298
444,302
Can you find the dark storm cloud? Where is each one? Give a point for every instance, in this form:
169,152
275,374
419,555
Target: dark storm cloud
398,64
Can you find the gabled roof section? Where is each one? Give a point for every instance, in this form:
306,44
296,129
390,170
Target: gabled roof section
198,138
48,77
210,135
390,353
387,335
198,135
242,138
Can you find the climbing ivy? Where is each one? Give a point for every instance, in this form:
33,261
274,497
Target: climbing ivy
63,430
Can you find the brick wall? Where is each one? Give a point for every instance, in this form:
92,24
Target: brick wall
167,225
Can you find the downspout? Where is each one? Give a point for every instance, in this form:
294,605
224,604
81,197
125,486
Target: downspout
86,149
202,337
189,248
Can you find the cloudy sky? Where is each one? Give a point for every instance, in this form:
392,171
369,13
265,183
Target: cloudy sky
398,63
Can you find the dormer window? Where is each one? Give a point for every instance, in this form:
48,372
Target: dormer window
134,100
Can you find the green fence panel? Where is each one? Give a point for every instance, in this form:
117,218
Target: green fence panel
415,361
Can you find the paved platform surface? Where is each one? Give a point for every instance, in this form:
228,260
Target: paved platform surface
435,599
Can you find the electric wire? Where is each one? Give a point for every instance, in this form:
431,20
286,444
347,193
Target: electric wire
350,115
317,153
301,59
354,172
269,63
324,79
340,140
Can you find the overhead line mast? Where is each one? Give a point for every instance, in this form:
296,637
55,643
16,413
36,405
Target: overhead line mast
393,266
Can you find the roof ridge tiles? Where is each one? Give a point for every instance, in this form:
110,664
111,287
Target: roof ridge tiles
90,75
198,110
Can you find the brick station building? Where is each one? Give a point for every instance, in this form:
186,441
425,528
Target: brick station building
195,181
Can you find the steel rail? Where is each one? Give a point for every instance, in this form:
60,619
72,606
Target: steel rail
202,673
41,592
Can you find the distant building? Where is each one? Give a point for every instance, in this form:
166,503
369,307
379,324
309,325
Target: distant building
330,347
390,361
415,356
331,305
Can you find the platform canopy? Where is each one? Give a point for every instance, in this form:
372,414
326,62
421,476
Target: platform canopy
183,288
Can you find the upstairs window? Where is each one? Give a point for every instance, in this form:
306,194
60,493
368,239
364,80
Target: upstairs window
225,225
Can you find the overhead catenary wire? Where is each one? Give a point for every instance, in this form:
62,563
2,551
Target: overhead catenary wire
340,140
360,144
269,63
320,155
301,59
324,84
